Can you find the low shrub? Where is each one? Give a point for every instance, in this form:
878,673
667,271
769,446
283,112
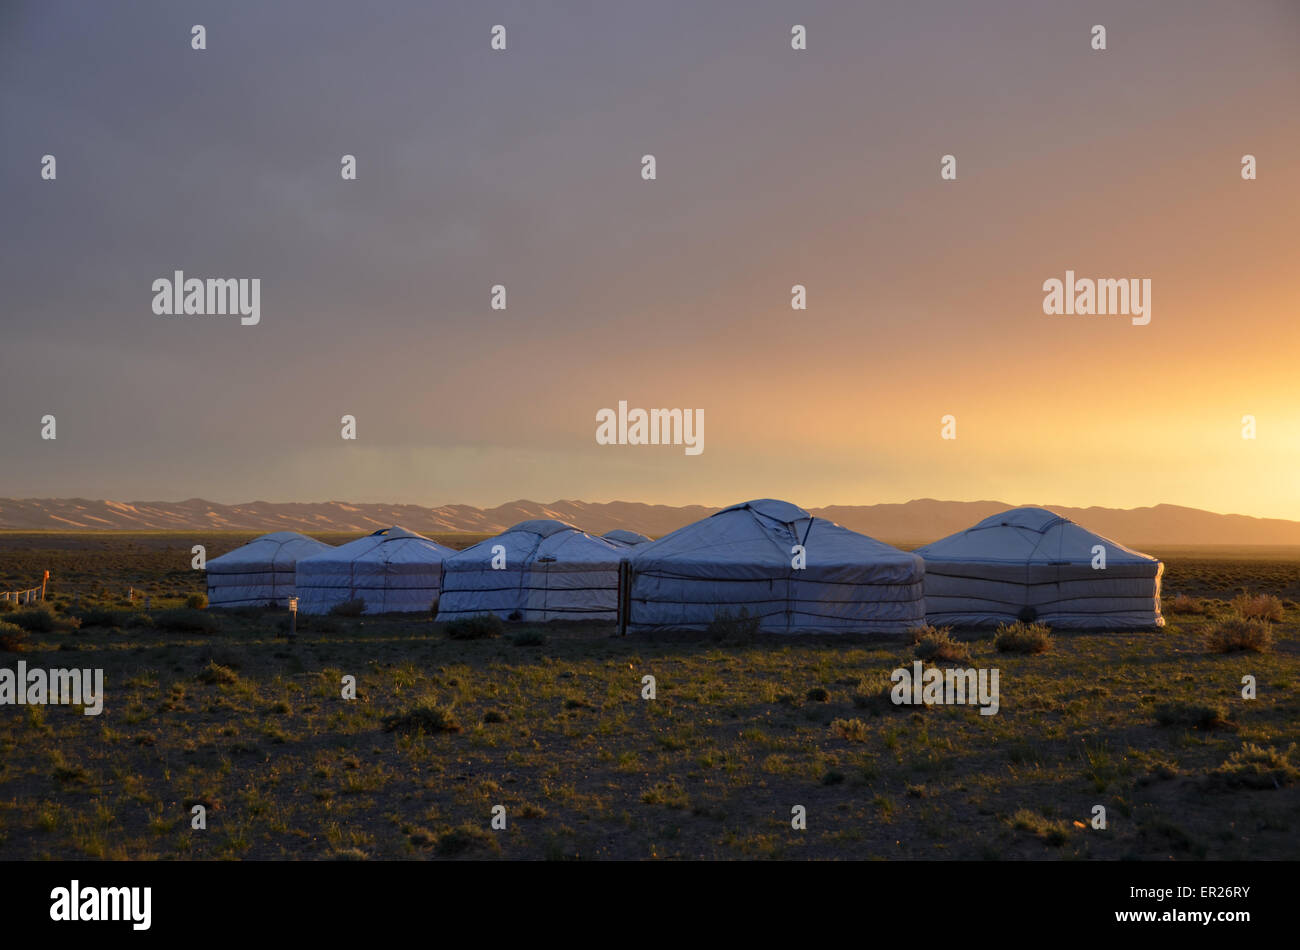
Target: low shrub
916,634
464,839
1258,607
347,854
214,672
34,620
478,627
1054,833
1254,766
854,730
1183,604
1020,637
1238,634
426,717
669,794
1193,716
42,620
13,638
875,695
939,646
196,601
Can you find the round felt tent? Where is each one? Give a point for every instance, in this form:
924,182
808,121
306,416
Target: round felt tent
261,572
624,537
744,557
393,570
537,570
1031,564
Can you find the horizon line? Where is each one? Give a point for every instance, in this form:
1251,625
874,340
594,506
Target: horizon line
560,501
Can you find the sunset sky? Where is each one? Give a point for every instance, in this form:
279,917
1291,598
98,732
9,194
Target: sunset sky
775,168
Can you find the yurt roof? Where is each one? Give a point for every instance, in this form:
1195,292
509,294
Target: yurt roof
624,536
1027,535
557,539
388,544
763,531
278,547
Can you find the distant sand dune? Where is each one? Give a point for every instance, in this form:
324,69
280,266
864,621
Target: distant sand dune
916,521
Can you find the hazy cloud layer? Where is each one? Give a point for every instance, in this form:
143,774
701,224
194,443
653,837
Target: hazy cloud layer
775,168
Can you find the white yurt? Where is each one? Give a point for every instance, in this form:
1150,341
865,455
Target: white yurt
545,570
261,572
744,557
1031,564
393,570
624,537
